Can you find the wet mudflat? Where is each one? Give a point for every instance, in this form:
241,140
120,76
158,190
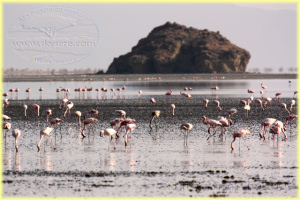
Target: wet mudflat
155,163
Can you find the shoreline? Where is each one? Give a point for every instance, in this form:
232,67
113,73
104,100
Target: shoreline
139,77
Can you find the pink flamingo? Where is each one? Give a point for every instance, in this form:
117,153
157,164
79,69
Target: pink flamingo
91,112
41,90
43,133
247,109
36,107
16,134
152,100
49,112
155,114
240,134
88,121
264,124
205,103
230,112
168,94
5,94
122,113
277,96
69,107
25,108
115,122
78,114
128,128
55,122
109,132
262,94
277,128
295,93
292,103
214,89
291,118
187,127
224,123
263,86
6,118
172,109
259,102
124,123
251,91
217,103
268,100
28,92
140,93
212,123
7,127
6,103
283,105
63,102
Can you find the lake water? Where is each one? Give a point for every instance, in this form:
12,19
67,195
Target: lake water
228,88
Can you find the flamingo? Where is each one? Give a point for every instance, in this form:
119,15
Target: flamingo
122,113
124,123
91,112
7,127
78,114
240,134
152,100
140,93
291,118
217,103
6,118
56,122
25,108
155,114
277,128
247,109
211,122
277,96
262,94
128,128
259,102
69,107
224,123
41,90
268,100
187,127
172,109
292,103
49,112
263,86
16,134
88,121
168,94
251,91
36,107
43,133
110,132
28,91
205,103
214,89
230,112
115,122
6,103
295,93
63,102
283,105
264,124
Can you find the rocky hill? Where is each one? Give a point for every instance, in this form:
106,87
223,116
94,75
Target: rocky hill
174,48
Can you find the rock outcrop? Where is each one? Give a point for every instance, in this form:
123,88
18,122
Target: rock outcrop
174,48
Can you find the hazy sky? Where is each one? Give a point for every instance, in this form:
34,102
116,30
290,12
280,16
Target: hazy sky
267,31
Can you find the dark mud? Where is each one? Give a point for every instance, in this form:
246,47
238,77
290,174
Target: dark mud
155,163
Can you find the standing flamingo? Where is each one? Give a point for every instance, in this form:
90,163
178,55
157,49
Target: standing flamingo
6,103
277,128
16,134
124,123
128,128
217,103
140,93
214,89
264,124
240,134
205,103
277,96
91,112
230,112
28,92
211,122
251,91
122,113
168,94
172,109
78,114
41,90
283,105
6,118
187,127
88,121
7,127
25,108
292,103
291,118
69,107
56,122
262,94
155,114
224,123
63,102
268,100
263,86
259,102
49,112
247,109
43,133
36,107
295,94
152,100
110,132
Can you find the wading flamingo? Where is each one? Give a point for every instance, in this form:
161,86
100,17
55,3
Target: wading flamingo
43,133
172,109
155,114
264,124
240,134
78,114
88,121
187,127
128,128
16,134
37,108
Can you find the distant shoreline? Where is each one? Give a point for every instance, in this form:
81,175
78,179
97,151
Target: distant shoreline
137,77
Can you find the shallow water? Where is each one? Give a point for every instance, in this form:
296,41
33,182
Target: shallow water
228,88
155,163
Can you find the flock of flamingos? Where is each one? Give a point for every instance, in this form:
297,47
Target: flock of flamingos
275,126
